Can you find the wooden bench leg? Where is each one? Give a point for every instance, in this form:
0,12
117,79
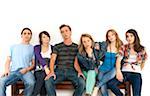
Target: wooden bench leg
127,89
14,90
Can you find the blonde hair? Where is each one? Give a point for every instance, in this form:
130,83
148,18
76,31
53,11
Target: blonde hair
81,46
119,43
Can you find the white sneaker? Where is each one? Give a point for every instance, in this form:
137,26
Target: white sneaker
95,91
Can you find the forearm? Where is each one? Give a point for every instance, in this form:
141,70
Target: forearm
52,66
7,64
118,65
76,66
142,65
32,66
52,62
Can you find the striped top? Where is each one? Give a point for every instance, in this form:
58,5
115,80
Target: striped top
65,55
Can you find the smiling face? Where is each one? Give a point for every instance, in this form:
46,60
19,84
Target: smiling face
111,36
45,39
26,35
87,42
130,38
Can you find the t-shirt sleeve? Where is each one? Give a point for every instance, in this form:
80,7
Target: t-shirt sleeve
33,54
55,49
10,50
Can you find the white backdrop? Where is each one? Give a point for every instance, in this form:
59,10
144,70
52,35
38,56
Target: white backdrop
84,16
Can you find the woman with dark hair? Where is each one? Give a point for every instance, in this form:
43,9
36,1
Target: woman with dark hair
132,56
42,58
107,70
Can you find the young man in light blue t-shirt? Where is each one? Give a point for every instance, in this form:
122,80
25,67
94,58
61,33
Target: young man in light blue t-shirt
19,64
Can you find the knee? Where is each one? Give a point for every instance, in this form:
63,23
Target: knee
2,83
110,85
81,82
49,82
30,83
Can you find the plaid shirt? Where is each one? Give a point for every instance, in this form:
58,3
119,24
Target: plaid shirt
125,52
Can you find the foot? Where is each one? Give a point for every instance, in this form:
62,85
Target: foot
95,91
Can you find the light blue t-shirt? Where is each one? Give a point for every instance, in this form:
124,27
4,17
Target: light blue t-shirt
21,56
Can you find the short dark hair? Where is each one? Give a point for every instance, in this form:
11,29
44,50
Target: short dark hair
40,35
26,29
64,25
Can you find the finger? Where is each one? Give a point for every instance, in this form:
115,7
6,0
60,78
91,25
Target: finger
3,75
84,77
121,80
54,77
47,77
79,75
6,74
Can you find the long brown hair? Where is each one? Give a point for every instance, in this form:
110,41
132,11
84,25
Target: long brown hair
137,46
119,43
81,46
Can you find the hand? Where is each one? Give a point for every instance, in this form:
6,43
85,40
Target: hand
119,76
23,71
97,46
81,75
50,75
6,73
100,62
47,71
96,70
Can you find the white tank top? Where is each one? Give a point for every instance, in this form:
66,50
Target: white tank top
127,67
47,54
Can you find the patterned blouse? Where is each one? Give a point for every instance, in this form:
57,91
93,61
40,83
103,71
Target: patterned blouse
124,52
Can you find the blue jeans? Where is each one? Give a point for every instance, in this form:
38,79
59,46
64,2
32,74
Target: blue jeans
65,74
134,78
14,76
103,78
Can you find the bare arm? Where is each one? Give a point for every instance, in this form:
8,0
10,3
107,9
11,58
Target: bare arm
25,70
52,62
76,65
32,66
142,65
118,64
7,66
119,75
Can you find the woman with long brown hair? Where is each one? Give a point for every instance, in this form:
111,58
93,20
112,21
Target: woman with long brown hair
133,56
107,69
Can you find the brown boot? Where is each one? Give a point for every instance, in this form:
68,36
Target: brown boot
87,94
